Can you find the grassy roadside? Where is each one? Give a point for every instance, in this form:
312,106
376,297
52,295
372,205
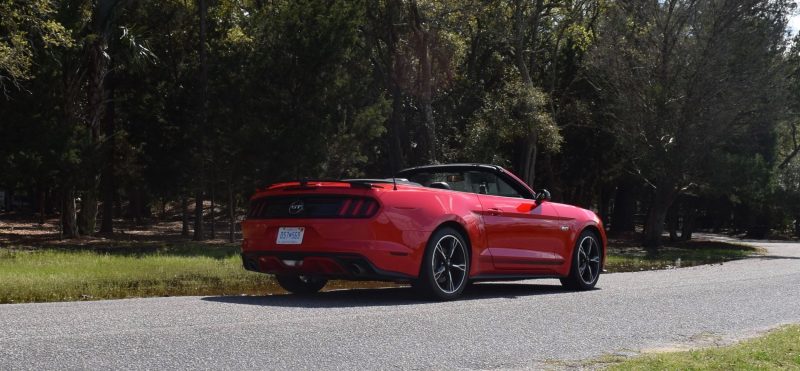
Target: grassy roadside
778,350
64,274
683,254
134,269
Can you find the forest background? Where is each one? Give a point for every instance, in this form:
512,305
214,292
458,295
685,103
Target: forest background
662,116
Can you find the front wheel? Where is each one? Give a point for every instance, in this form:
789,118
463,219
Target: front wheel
301,284
585,270
445,266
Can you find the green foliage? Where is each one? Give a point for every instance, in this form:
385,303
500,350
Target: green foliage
348,147
25,26
511,113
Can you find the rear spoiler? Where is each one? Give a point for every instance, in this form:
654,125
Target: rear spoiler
307,183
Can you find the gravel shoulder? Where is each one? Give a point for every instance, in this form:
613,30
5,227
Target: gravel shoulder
529,324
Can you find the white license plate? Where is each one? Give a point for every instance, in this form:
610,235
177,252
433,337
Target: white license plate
290,235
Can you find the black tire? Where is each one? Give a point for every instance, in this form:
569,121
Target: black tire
585,268
445,266
302,285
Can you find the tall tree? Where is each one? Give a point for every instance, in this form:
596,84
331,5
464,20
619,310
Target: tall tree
200,133
101,27
686,77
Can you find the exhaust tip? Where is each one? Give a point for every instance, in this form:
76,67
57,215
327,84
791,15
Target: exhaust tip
357,269
292,262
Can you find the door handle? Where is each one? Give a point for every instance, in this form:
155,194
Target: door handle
494,211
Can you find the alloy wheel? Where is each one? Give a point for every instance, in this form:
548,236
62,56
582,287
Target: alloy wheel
449,264
588,259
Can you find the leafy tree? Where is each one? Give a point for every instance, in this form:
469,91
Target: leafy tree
686,78
27,28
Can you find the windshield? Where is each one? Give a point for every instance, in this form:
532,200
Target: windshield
466,181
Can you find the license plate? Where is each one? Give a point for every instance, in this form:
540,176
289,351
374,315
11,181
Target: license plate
290,235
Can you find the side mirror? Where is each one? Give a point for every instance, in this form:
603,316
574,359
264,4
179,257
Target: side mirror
544,195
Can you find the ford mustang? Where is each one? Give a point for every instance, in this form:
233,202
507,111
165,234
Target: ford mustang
438,227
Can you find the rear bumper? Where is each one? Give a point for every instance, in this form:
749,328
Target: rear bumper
378,241
329,265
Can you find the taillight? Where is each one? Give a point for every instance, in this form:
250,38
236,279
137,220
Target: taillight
358,207
336,206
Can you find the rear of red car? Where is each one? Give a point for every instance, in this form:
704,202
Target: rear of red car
328,229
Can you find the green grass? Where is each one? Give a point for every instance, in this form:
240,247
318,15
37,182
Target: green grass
690,254
124,269
778,350
62,275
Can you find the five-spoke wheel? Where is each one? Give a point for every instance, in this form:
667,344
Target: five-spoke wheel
585,268
445,268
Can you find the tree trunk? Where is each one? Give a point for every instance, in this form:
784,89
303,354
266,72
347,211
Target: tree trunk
42,195
97,70
198,212
198,216
136,205
530,151
69,222
9,200
87,218
107,182
397,128
231,206
758,222
530,145
163,214
605,201
672,222
423,51
397,139
654,226
48,202
689,215
213,215
184,216
622,218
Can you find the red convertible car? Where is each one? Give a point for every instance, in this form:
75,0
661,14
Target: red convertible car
439,227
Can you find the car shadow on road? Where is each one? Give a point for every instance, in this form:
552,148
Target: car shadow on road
387,296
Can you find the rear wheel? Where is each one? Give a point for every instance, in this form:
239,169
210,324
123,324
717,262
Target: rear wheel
585,270
301,284
445,266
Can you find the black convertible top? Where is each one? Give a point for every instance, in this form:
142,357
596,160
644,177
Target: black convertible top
461,166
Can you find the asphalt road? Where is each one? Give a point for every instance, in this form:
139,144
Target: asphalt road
533,324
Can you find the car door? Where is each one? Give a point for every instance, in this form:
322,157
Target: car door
519,236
